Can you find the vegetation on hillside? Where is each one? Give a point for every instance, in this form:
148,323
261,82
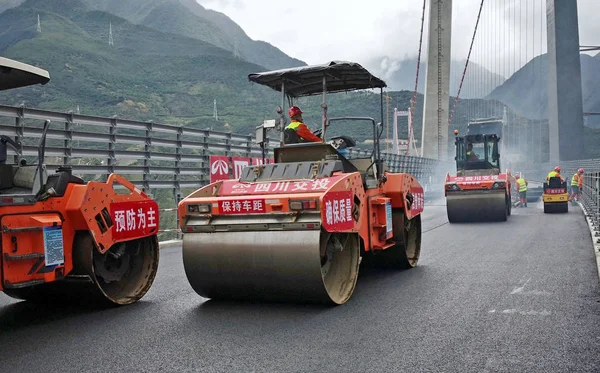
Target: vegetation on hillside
526,91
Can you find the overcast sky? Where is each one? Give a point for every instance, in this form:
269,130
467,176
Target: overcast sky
317,31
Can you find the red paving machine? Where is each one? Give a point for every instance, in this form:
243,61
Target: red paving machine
66,240
299,228
479,191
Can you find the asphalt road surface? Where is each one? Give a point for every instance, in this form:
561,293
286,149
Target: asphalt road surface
520,296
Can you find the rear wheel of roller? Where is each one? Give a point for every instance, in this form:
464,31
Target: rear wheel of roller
407,249
339,264
125,273
120,276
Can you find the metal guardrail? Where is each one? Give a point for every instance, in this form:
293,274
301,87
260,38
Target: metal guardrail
126,147
152,156
590,194
590,198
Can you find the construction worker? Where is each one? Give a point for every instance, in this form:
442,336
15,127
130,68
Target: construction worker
555,173
576,185
522,187
297,131
471,156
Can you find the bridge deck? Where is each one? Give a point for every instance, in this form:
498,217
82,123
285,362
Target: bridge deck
515,296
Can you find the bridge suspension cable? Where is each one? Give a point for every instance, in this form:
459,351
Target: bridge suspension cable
462,79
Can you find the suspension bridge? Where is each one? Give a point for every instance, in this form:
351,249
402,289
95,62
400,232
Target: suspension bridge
522,295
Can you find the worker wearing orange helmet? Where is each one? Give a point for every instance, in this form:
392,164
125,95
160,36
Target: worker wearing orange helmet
521,185
471,156
576,185
555,173
303,134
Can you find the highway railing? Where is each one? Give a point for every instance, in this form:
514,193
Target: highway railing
591,198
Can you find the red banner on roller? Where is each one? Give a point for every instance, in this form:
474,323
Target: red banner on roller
242,206
337,211
233,188
219,168
225,168
418,203
133,219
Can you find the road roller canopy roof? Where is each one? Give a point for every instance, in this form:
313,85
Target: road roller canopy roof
308,80
14,74
478,138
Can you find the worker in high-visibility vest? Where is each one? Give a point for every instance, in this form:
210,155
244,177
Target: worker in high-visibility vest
297,131
522,186
555,173
576,185
471,156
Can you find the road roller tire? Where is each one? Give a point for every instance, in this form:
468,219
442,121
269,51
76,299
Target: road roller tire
308,266
453,216
477,208
556,208
563,207
504,217
509,204
407,249
121,276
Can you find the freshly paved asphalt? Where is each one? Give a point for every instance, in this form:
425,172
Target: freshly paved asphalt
520,296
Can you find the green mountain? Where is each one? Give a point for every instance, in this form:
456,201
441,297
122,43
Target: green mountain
527,93
154,75
147,74
188,18
7,4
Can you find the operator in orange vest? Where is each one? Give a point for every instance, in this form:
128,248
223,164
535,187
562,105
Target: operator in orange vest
301,130
576,185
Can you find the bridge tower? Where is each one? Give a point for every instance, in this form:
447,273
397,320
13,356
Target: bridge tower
565,102
437,98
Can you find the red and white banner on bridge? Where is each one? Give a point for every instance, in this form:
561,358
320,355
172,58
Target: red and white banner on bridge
224,167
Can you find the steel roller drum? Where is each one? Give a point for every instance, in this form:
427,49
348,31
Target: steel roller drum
271,265
476,206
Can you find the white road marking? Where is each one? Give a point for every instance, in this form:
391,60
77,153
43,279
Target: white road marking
511,311
521,290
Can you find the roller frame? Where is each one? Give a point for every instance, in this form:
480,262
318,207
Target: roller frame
556,203
242,257
86,245
256,258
